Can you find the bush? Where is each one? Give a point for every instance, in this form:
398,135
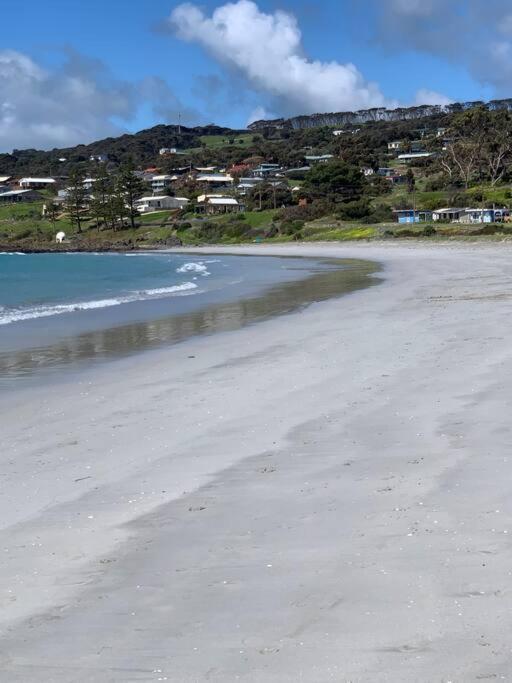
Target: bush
428,231
355,210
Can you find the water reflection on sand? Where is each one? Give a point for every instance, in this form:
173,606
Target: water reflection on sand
343,277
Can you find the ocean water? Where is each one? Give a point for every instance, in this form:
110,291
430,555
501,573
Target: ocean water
63,310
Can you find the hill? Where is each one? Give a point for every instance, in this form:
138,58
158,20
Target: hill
377,114
142,147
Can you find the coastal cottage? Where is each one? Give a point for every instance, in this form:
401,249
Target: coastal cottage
265,170
215,179
14,196
411,216
160,183
319,158
36,183
149,204
471,216
218,204
447,214
414,156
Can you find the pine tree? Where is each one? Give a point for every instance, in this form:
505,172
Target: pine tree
132,187
76,198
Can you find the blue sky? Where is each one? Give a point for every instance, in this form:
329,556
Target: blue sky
73,71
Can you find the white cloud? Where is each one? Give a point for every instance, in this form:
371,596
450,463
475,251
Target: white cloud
425,96
46,108
266,49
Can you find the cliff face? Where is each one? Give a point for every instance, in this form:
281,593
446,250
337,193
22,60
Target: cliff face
377,114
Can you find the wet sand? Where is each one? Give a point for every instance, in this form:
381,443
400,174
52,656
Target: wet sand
324,496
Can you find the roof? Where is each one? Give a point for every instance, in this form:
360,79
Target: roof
415,155
11,193
4,178
159,199
223,201
214,178
449,210
37,180
161,177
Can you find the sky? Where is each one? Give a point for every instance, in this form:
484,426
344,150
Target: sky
72,72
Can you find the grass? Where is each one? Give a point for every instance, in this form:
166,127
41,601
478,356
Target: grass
217,141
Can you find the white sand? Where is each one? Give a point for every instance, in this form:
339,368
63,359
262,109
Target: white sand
325,496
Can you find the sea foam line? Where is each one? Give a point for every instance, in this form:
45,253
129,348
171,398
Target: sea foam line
58,309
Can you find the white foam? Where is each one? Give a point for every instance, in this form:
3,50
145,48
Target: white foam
18,315
12,253
194,268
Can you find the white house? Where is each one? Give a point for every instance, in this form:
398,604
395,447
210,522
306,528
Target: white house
159,183
448,214
394,145
13,196
100,158
319,158
167,150
36,183
415,156
148,204
217,203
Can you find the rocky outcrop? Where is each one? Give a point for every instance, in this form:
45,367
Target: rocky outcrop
377,114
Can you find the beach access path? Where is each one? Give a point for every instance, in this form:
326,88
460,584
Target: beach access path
324,496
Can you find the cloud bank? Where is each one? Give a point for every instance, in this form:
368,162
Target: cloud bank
266,50
474,34
75,103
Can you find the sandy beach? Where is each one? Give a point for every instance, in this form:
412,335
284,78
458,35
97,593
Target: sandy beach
324,496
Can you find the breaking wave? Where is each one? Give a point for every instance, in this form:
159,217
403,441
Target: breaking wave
15,315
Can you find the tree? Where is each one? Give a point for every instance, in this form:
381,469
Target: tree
132,187
335,180
410,180
102,190
497,145
76,198
463,153
51,211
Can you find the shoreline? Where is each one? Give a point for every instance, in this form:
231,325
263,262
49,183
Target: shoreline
321,496
139,326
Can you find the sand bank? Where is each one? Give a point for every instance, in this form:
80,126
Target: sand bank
324,496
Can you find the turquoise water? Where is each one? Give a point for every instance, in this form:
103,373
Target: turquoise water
44,285
66,310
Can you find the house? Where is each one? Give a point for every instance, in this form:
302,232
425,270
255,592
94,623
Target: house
484,216
36,183
448,214
395,145
319,158
217,203
163,151
337,133
367,171
206,169
247,184
100,158
14,196
264,170
159,183
386,172
148,204
412,216
415,156
89,183
215,179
